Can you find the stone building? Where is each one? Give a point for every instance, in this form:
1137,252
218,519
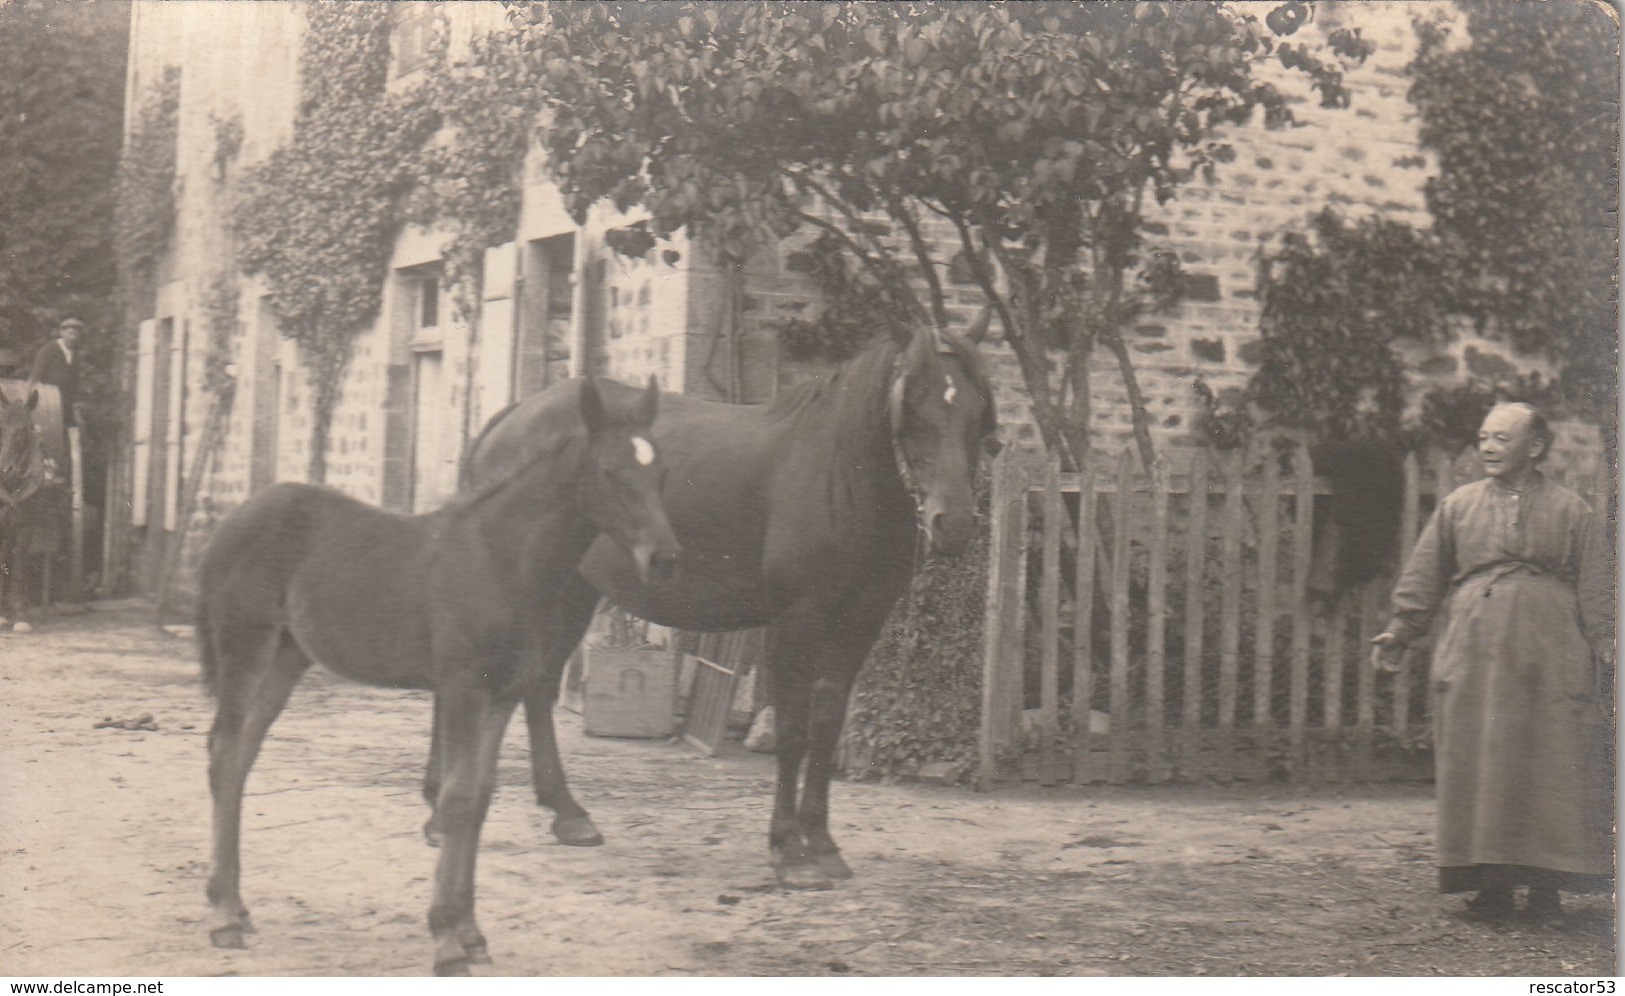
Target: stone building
555,302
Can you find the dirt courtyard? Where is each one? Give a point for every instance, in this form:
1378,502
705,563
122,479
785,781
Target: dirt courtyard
103,855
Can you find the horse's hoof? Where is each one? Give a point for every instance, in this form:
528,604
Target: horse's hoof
227,937
452,967
802,876
833,865
478,955
577,831
431,834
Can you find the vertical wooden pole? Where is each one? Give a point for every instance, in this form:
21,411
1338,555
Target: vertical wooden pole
1195,607
1121,706
1049,679
1000,582
1269,561
1156,653
1409,517
1230,607
1336,646
1083,624
1303,526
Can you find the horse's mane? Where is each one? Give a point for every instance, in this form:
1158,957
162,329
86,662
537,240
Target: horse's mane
868,375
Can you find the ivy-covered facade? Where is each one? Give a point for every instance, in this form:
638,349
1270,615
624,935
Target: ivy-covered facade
366,261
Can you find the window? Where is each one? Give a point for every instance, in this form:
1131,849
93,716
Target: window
411,34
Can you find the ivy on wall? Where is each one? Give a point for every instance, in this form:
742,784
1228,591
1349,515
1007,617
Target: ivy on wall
471,184
318,218
1524,121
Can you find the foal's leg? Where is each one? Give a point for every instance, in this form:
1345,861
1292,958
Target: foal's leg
572,615
470,723
256,670
571,823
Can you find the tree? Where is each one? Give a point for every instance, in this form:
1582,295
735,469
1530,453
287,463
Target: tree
62,99
1036,132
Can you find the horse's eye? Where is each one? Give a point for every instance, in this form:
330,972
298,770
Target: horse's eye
992,445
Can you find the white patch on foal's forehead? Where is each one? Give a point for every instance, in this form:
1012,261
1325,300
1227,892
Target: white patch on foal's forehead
951,393
643,451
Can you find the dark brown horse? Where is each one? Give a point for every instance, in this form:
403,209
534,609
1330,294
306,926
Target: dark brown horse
804,515
29,496
456,601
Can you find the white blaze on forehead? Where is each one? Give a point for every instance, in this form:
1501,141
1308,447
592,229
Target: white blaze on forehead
643,451
951,393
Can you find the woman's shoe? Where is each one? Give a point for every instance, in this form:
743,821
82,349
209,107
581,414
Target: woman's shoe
1544,905
1490,906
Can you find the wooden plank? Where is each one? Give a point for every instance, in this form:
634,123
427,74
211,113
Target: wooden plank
1230,609
993,733
1156,656
1303,526
1083,628
1195,604
1410,511
1335,669
1049,678
1121,706
1269,559
1409,527
1366,690
1013,628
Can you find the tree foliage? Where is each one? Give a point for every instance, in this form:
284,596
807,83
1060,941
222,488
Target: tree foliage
1038,132
61,101
1524,120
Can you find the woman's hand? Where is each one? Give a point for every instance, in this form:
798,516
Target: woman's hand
1386,650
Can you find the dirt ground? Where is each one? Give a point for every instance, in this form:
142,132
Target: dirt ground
103,855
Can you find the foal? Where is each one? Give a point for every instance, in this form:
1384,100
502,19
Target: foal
456,601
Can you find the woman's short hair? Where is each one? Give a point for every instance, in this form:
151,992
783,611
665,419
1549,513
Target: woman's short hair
1539,428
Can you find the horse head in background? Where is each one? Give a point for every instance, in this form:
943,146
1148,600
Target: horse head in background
22,458
31,503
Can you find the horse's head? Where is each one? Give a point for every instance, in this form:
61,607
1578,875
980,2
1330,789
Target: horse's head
942,417
20,465
620,488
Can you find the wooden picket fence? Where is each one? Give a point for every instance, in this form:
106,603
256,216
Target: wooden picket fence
1177,635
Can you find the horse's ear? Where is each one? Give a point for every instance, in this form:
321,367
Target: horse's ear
592,406
649,404
977,332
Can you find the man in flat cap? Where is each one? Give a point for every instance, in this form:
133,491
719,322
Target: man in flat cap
57,363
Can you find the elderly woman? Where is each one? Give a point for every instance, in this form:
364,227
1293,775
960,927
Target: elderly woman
1521,676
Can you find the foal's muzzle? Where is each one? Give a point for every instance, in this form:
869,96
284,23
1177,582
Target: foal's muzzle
657,562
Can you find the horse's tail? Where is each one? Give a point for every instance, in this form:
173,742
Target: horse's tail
465,466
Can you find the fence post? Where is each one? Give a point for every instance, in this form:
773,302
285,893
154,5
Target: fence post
1083,608
1156,648
1121,708
1303,526
1195,609
1230,620
1269,563
1005,611
1050,608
